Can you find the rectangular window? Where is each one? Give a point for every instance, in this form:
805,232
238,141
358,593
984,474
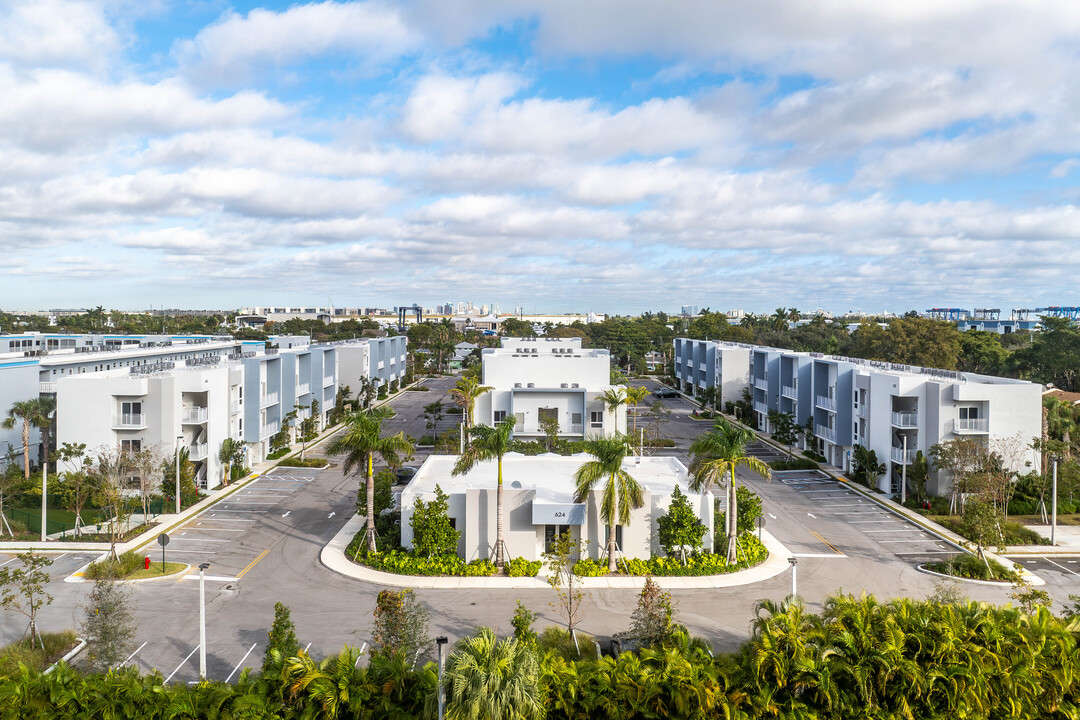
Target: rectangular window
500,415
575,418
596,418
131,408
618,537
551,532
519,421
969,413
131,446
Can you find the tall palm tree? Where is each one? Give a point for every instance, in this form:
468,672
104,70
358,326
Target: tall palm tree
22,411
42,418
715,455
227,455
360,443
490,443
794,315
491,678
634,397
621,494
465,393
612,399
780,318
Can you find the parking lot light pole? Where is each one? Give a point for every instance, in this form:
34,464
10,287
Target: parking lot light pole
179,439
440,641
202,620
1053,508
794,587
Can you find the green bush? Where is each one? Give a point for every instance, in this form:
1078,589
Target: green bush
751,552
282,452
1013,533
520,567
30,654
110,569
973,568
814,456
306,463
557,641
400,562
453,410
421,388
660,443
794,464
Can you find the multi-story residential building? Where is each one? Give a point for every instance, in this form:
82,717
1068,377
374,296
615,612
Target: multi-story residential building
895,410
701,364
537,378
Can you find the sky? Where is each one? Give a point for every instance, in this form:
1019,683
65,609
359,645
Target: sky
609,156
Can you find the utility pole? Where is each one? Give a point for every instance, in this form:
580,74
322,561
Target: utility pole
794,587
1053,508
903,475
202,620
179,439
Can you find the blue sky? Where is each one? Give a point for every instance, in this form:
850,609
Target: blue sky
608,156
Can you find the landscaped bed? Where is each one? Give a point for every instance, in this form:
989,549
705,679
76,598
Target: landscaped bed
972,567
1013,532
401,562
32,656
751,552
130,566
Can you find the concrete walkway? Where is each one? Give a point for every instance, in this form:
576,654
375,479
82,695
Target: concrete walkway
333,557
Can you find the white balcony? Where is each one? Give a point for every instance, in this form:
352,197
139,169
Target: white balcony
575,429
761,407
193,416
762,383
862,411
47,387
789,391
269,399
303,389
829,403
269,429
235,407
904,458
327,380
905,420
130,421
825,433
197,452
963,426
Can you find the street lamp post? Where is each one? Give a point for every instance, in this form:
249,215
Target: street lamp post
202,620
1053,507
44,489
179,439
794,587
440,641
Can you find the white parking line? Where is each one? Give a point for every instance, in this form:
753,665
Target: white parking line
182,663
908,530
226,519
864,512
1068,570
140,648
890,542
245,658
210,529
869,522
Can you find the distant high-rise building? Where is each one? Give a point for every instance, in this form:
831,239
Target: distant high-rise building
689,310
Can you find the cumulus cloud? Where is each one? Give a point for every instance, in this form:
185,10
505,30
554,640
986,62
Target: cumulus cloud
56,33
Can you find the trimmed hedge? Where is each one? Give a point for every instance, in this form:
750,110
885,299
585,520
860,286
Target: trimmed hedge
400,562
751,552
306,463
520,567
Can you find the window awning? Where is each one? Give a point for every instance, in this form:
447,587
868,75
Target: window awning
558,513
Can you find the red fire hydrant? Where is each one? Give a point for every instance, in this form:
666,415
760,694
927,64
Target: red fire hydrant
146,563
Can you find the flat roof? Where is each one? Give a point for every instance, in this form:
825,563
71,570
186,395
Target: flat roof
551,475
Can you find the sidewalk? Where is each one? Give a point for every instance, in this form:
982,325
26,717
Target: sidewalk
333,557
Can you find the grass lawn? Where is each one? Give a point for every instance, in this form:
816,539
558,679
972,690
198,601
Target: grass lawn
1014,532
1073,519
56,646
171,568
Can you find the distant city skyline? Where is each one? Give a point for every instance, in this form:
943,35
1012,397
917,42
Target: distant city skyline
612,157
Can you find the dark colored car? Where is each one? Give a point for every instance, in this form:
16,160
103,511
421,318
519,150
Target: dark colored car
404,474
666,393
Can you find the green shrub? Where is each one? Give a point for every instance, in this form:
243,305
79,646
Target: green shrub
306,463
1013,533
282,452
31,655
751,552
660,443
421,388
557,641
400,562
972,567
110,569
794,464
520,567
814,456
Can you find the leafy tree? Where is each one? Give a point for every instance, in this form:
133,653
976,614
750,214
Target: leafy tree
282,642
491,678
486,444
983,521
658,415
108,626
785,430
917,475
401,625
621,492
550,425
111,472
512,327
679,528
653,621
360,443
523,625
464,393
227,456
634,397
189,492
960,458
716,455
1053,356
569,603
981,352
433,413
433,535
871,341
865,467
925,342
23,589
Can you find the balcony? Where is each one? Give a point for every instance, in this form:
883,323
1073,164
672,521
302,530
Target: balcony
198,452
193,416
762,383
825,433
235,407
789,391
47,387
761,407
899,456
327,380
576,429
829,403
269,429
303,389
269,399
905,420
964,426
130,421
862,411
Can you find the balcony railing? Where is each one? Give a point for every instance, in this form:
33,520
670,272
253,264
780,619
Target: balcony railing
194,416
303,389
761,407
905,419
47,387
862,411
904,458
825,433
197,452
234,407
270,429
762,383
576,429
829,403
130,421
971,425
789,391
269,399
327,380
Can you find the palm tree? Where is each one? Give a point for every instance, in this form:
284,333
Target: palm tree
227,455
716,454
25,411
491,678
621,494
465,393
612,399
490,443
794,315
360,443
634,397
780,318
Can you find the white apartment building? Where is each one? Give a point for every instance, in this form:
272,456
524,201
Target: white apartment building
701,364
539,504
537,378
895,410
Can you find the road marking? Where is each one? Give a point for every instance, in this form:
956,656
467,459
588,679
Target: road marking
810,514
215,578
223,530
199,552
132,654
1068,570
770,515
824,556
831,546
842,492
232,520
241,662
182,663
864,512
893,542
930,552
286,513
309,645
868,522
890,531
14,559
332,514
252,563
255,502
195,539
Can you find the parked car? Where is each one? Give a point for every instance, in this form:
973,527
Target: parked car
666,393
404,474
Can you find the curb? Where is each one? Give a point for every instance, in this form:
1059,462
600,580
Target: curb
994,583
67,658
